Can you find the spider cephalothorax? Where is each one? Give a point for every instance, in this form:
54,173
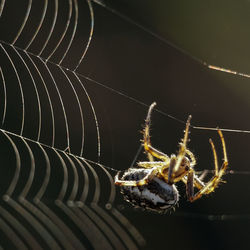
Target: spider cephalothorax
151,184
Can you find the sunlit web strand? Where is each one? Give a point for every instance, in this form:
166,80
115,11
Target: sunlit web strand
106,167
204,216
138,101
63,69
63,33
164,40
58,150
5,95
1,7
159,37
214,217
226,70
152,33
162,112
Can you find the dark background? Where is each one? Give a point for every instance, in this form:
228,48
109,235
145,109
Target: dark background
145,51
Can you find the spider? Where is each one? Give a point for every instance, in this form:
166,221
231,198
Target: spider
152,184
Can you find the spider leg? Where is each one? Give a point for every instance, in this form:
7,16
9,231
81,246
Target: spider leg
186,132
191,155
171,168
192,181
151,151
183,145
150,164
215,180
197,182
141,182
150,157
190,185
182,152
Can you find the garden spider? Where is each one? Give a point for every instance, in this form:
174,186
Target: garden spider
151,186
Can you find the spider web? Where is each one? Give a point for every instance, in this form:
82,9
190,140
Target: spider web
53,197
76,83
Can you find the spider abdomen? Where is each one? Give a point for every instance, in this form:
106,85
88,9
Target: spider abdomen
155,195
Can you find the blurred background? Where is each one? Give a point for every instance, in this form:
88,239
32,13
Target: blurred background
139,52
